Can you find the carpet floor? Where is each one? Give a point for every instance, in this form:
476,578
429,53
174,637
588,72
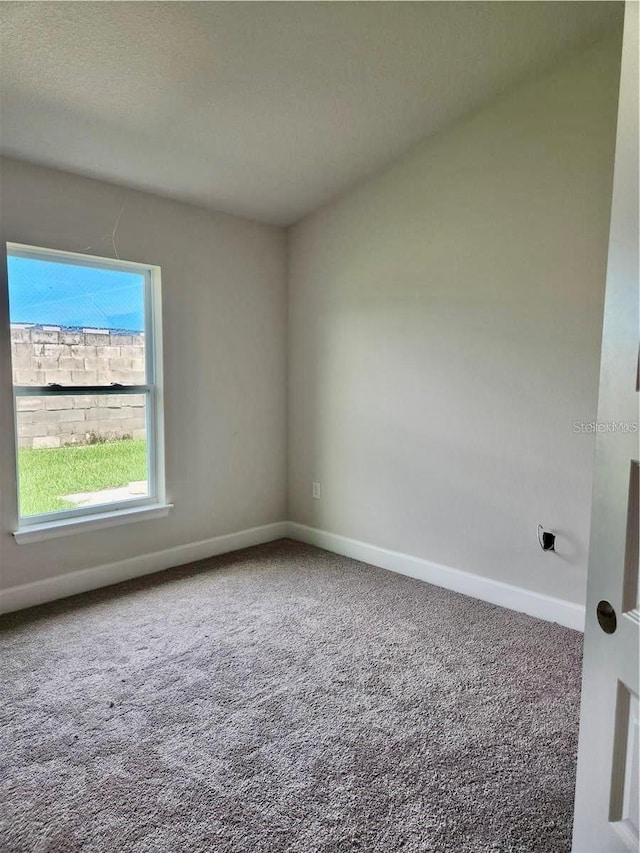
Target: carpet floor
283,698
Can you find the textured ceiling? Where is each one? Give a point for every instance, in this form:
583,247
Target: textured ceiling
266,109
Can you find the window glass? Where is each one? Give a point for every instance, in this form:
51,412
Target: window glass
84,403
75,325
80,451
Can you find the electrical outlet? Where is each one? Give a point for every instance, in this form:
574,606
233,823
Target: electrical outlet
316,490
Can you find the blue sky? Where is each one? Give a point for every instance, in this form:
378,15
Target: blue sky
55,294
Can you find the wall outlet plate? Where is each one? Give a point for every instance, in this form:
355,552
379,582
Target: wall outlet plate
316,490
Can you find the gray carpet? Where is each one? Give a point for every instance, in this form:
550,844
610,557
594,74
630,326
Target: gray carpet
285,699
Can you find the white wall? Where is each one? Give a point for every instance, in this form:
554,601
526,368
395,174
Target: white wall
444,328
224,306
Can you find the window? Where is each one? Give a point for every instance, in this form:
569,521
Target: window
86,359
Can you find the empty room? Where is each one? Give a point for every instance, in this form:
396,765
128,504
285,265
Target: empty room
319,451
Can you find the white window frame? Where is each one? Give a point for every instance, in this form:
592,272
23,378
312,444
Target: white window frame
81,519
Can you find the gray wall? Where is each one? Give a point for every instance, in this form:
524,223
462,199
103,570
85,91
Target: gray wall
444,329
224,310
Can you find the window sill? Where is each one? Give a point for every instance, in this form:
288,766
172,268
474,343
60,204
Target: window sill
88,523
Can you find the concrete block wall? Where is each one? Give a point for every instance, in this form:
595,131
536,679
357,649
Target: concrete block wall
52,354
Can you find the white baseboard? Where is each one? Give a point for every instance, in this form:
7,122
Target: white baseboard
83,580
496,592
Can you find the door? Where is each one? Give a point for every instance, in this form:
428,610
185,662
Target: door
606,812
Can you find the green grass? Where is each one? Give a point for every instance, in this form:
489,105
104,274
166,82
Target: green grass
47,474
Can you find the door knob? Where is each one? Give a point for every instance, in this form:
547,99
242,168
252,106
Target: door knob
606,617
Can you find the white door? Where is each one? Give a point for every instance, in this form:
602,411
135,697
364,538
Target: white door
606,813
